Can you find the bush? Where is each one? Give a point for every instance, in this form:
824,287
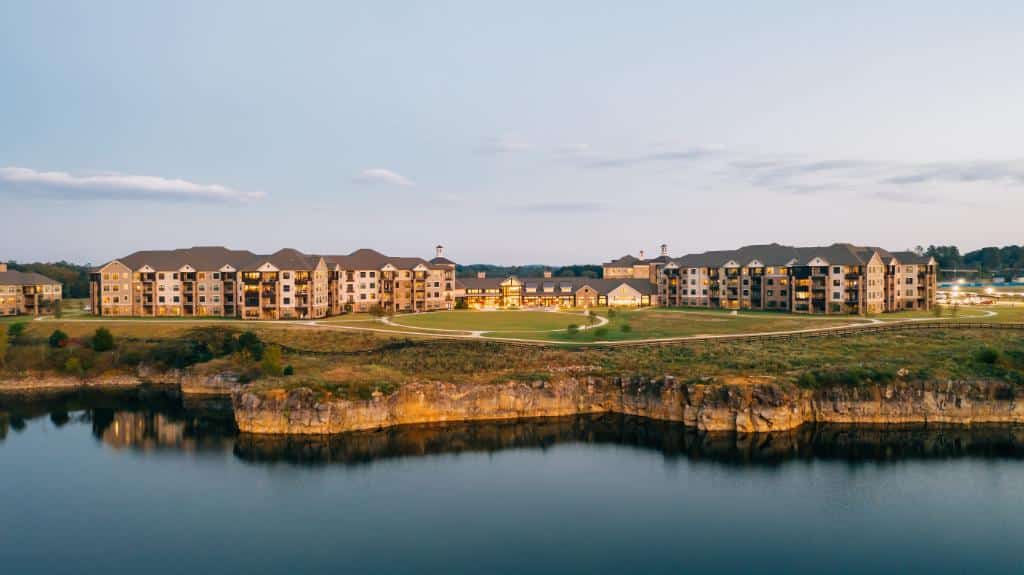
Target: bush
58,339
611,313
987,355
17,329
102,340
74,366
250,343
807,379
573,329
626,328
288,370
3,348
271,364
601,332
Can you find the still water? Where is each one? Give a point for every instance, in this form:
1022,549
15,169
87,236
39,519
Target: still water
145,482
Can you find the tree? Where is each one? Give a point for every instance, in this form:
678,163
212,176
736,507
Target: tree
249,343
3,347
102,340
58,338
271,364
288,370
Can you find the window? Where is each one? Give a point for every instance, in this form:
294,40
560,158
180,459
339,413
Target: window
216,299
837,295
910,281
836,283
287,301
770,281
286,275
201,276
362,296
362,274
177,299
216,275
177,287
837,270
160,275
174,275
769,293
161,299
202,299
287,288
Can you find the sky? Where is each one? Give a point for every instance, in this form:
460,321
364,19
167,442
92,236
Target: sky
511,133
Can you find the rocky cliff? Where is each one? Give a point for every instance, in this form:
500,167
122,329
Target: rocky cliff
742,407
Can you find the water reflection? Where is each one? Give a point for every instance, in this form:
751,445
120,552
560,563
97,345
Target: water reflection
160,419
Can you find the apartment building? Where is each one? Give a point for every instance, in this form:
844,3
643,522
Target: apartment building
513,292
287,284
836,279
632,267
27,293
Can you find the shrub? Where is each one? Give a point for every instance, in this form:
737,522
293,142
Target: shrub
626,328
987,355
611,313
102,340
288,370
601,331
573,329
58,339
807,379
3,348
271,363
74,366
16,329
250,343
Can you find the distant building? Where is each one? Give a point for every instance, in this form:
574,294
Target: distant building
631,267
27,293
835,279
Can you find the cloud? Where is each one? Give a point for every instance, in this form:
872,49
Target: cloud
381,176
560,207
114,185
901,182
504,145
684,155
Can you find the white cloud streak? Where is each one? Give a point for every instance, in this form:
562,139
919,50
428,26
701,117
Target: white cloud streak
375,176
113,185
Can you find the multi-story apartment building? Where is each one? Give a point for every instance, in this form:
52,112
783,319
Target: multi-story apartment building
27,293
840,279
288,284
483,292
631,267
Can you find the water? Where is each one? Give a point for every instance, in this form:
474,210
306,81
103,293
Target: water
144,483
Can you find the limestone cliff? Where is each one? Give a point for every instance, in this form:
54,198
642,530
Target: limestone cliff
742,407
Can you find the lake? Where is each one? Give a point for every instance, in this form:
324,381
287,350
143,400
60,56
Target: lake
146,482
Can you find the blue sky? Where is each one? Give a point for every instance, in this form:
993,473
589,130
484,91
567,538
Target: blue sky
529,132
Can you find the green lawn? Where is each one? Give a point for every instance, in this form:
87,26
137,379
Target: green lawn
661,323
472,320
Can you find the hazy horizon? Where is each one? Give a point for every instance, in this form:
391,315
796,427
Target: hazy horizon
560,134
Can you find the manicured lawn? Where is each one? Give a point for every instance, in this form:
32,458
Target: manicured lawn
472,320
662,323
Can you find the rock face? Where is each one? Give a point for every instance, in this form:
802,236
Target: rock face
761,407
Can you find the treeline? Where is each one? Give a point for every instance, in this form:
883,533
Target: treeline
533,270
74,277
1007,261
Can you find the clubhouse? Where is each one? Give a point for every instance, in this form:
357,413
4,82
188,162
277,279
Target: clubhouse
514,292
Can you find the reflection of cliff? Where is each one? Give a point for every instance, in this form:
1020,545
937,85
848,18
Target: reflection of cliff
852,443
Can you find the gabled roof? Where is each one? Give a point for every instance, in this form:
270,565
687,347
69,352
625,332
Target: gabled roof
439,261
12,277
912,258
199,257
625,261
777,255
286,259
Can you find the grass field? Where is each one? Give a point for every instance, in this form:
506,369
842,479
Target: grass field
518,321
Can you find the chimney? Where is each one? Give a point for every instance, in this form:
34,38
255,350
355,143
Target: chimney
3,267
481,275
547,273
439,250
641,254
664,249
